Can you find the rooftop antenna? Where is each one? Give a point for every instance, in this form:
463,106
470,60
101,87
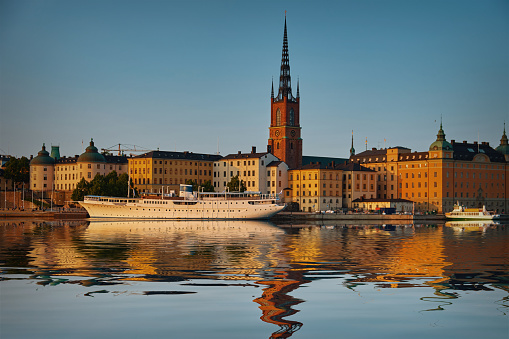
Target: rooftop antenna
217,146
366,143
384,143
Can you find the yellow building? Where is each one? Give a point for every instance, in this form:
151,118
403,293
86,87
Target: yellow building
260,172
316,187
319,187
42,169
60,176
473,174
359,182
161,171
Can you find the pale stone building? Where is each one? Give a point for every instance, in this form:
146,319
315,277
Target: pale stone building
254,169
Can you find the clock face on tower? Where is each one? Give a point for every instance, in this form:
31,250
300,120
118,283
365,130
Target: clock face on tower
277,133
292,133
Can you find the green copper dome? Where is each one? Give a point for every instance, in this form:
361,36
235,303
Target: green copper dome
440,144
504,145
42,158
91,154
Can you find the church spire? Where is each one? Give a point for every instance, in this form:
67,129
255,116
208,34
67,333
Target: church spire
441,133
298,94
504,141
285,83
352,150
272,89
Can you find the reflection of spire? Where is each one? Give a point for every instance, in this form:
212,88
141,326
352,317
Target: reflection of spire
276,304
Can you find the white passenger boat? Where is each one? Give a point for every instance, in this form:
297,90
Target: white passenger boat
462,213
226,205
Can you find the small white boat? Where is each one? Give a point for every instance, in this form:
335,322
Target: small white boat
462,213
226,205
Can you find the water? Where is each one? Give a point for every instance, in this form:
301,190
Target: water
247,279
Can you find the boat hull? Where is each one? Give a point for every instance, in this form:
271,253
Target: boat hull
170,210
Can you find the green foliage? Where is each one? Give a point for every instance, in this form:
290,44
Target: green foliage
18,170
207,186
111,185
234,184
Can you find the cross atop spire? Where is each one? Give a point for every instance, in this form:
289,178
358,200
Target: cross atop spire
285,82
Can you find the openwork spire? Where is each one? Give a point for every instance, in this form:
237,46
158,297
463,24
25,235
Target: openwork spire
285,82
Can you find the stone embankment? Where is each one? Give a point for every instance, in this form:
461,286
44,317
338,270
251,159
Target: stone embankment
359,217
38,214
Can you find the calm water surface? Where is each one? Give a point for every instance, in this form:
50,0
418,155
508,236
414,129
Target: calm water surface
247,279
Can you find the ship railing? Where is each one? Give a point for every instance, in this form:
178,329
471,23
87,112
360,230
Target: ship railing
237,195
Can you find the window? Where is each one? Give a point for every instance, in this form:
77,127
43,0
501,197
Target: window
278,119
292,117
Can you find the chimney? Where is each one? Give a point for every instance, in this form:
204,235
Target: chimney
464,141
31,156
240,152
253,149
487,143
453,141
475,142
373,149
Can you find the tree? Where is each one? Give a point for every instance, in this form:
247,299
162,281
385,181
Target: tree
207,186
110,185
234,183
18,170
82,189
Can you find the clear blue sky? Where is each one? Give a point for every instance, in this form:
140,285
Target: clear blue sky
181,74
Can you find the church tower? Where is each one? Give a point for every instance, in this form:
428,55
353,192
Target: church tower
284,131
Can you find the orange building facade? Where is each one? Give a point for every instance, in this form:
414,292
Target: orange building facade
472,174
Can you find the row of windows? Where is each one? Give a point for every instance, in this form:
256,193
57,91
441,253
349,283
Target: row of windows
456,195
246,173
160,181
324,176
273,184
177,171
246,163
185,163
310,201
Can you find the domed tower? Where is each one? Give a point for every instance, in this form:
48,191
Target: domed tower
504,146
42,171
91,163
441,148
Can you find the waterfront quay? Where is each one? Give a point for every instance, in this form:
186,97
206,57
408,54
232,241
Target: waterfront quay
360,217
56,214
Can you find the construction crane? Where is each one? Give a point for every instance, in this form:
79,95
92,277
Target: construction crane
121,148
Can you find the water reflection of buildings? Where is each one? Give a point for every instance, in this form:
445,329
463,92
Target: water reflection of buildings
281,261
